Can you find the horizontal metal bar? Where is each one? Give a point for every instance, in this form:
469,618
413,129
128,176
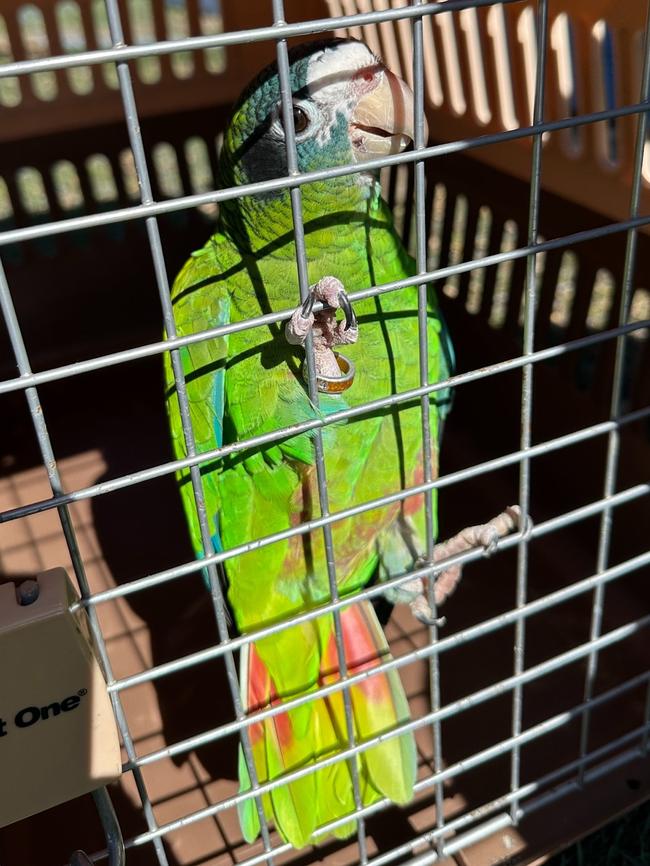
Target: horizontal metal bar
173,466
150,349
142,211
487,693
489,827
540,529
227,645
451,642
309,526
471,837
122,53
575,785
335,417
542,729
525,791
467,818
591,775
479,813
500,802
561,791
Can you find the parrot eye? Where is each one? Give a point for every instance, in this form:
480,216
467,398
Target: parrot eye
300,119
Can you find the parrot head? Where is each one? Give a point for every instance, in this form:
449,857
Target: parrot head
348,108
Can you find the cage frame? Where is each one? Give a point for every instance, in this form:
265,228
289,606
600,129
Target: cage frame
513,806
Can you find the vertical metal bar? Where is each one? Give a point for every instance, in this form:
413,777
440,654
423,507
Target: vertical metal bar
614,438
153,233
427,445
49,462
319,455
114,841
527,392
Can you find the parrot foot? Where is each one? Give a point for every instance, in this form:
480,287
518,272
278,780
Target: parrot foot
335,372
486,535
327,330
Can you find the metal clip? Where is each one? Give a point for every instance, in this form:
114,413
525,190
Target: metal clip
114,841
80,859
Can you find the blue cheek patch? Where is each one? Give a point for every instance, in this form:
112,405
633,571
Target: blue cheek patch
335,150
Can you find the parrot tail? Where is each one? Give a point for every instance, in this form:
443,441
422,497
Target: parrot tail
299,661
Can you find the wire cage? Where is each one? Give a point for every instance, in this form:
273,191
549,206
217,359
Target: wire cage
528,208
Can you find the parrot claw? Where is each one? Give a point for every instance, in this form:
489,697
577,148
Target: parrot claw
491,534
307,306
490,541
486,536
346,306
421,610
425,616
327,332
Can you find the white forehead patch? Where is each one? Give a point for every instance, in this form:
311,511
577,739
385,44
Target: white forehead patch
329,71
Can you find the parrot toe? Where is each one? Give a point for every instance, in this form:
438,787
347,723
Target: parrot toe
488,538
414,593
421,610
346,306
307,305
489,535
328,290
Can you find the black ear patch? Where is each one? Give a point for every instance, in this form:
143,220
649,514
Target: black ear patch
263,157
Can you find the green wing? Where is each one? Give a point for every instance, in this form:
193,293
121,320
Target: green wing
201,302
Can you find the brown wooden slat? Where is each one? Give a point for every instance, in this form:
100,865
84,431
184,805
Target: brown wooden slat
55,47
99,83
18,49
547,291
194,19
621,13
126,22
471,225
515,295
447,227
628,68
489,281
604,372
640,388
20,215
574,362
118,177
517,65
19,52
160,29
55,209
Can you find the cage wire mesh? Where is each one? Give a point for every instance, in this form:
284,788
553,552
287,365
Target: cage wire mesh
461,243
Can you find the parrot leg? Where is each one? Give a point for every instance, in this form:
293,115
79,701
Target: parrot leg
487,536
326,329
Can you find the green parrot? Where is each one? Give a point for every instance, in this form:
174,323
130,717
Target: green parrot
347,108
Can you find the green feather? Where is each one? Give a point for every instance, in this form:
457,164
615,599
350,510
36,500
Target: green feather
249,383
247,811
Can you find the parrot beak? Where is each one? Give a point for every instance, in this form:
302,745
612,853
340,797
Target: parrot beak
383,120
